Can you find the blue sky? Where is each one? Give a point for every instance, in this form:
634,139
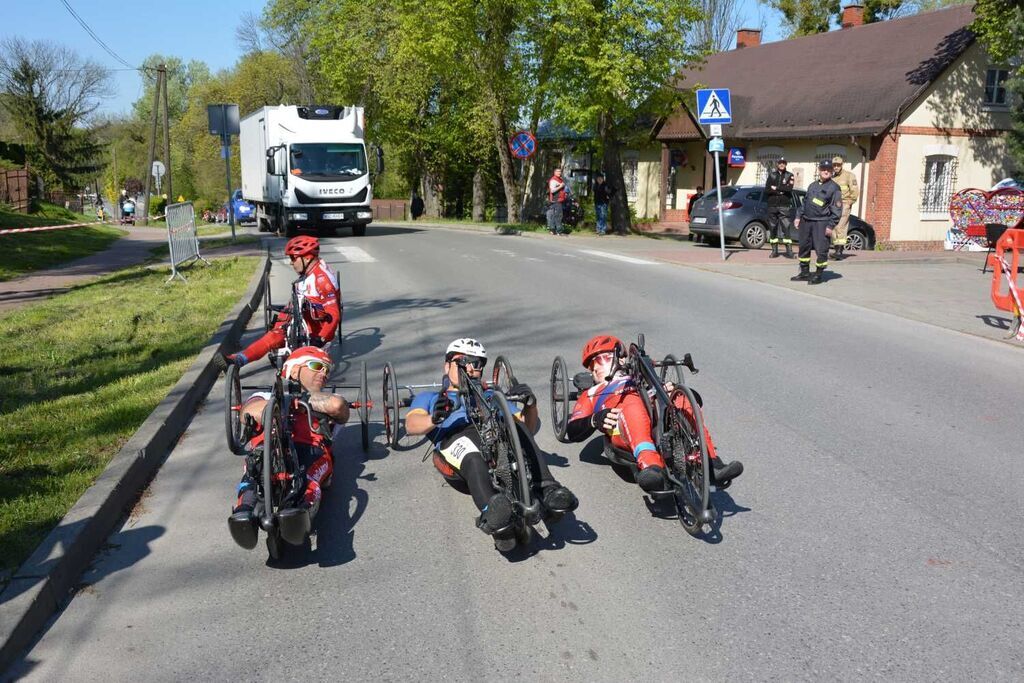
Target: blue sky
193,29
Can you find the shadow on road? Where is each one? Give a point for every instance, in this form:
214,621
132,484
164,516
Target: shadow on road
996,321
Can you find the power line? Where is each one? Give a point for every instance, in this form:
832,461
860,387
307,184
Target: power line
96,37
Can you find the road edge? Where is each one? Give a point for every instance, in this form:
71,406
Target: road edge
43,582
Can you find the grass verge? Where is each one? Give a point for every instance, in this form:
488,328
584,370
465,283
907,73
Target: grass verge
162,250
25,252
79,389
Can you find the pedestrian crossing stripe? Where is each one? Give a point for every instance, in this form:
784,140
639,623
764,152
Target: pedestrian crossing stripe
714,108
354,255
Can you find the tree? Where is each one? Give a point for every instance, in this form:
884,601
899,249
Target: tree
181,77
50,93
716,29
614,61
806,17
999,25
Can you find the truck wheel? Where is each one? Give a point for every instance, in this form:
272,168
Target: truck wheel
359,230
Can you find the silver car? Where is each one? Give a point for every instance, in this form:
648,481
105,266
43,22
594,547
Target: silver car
746,218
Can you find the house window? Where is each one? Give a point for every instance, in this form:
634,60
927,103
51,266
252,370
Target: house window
630,176
766,159
825,153
995,87
937,183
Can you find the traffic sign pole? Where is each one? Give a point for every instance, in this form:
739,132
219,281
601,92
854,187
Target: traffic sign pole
721,219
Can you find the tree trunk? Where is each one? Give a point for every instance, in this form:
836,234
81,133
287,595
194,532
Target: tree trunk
619,205
536,193
479,195
433,199
508,173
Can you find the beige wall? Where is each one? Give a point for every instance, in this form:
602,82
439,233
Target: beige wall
974,169
689,175
648,185
955,100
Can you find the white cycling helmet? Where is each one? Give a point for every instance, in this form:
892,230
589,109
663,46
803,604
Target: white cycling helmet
467,347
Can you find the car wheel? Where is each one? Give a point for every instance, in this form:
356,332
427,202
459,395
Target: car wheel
754,235
857,241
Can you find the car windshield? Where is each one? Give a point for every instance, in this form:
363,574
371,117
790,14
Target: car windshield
328,161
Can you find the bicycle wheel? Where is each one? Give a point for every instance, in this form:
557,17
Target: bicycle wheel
502,377
559,398
390,402
364,409
669,362
688,461
268,311
510,468
233,410
275,479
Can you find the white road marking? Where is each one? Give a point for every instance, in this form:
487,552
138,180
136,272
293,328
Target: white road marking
354,254
533,258
619,257
504,252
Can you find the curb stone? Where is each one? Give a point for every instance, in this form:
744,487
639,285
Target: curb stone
40,587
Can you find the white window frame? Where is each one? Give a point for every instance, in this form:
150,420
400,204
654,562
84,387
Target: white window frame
937,190
766,158
997,86
826,152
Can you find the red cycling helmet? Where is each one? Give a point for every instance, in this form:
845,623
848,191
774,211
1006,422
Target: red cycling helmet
600,344
303,245
304,354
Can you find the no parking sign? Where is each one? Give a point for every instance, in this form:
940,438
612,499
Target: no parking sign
523,145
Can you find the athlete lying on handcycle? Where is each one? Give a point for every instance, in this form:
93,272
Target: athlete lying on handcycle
458,447
320,301
614,408
309,367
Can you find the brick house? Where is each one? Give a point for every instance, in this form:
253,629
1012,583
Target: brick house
914,105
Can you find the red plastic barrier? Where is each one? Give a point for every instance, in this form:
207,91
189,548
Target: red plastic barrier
1008,250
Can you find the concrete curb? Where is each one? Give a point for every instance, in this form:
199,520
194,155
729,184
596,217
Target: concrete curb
42,584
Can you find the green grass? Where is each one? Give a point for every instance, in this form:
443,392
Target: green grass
26,252
162,250
91,366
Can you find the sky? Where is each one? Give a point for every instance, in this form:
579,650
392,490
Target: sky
191,29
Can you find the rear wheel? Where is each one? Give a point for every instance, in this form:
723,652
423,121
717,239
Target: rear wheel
233,410
269,314
503,377
364,409
559,398
754,235
688,461
390,406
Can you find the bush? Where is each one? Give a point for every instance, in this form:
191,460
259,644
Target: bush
157,206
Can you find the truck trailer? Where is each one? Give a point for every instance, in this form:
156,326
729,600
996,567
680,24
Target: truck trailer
305,168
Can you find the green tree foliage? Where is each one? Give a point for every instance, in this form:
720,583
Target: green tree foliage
49,95
181,78
999,25
806,17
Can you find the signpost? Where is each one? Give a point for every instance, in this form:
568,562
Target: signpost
223,121
158,172
523,145
714,108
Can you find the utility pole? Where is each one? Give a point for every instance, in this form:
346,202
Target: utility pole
167,143
148,172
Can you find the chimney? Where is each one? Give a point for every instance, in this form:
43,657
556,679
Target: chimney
748,37
853,15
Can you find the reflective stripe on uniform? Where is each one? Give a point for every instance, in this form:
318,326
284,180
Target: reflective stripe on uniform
821,264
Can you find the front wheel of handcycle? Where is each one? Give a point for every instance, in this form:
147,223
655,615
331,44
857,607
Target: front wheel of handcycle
687,455
503,377
275,479
510,468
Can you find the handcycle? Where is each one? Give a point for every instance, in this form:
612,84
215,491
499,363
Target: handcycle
679,433
490,413
297,333
274,466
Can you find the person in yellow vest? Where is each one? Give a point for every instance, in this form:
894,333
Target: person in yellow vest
847,183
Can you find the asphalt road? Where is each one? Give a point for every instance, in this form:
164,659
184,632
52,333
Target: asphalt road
876,533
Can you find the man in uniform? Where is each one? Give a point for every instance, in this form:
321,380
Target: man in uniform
847,183
778,189
816,218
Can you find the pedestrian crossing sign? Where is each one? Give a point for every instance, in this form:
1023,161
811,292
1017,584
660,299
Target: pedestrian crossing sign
714,106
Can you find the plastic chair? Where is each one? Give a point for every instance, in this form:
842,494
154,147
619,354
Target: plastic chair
993,231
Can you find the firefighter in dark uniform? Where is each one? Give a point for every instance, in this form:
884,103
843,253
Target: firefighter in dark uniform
816,217
778,189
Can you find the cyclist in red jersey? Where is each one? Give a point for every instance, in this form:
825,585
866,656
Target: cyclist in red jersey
321,304
614,408
310,367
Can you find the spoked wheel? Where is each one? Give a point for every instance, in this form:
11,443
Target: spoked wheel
559,398
390,403
233,410
689,465
364,409
268,312
670,372
510,469
503,378
275,487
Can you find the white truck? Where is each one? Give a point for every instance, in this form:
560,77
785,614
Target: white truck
305,168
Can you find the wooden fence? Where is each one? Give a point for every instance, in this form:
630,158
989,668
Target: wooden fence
14,189
390,210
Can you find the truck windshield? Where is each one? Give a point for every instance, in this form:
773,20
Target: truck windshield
328,161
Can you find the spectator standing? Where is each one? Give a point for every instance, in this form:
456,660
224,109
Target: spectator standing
697,194
847,183
816,217
416,206
778,192
556,195
602,196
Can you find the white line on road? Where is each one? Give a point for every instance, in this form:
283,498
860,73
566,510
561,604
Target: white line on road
354,255
619,257
504,252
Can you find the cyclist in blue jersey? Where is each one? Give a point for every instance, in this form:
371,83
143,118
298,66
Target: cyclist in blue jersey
457,446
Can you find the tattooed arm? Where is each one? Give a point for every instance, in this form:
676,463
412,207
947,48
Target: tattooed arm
331,405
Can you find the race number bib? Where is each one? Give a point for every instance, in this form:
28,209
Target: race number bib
457,450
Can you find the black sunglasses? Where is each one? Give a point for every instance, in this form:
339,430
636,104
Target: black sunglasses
474,362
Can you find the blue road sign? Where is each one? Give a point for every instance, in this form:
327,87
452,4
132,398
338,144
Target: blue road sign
523,145
716,145
714,106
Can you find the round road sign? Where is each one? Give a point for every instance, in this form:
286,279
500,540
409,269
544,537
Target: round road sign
523,145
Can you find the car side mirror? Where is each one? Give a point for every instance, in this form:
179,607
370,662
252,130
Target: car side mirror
271,170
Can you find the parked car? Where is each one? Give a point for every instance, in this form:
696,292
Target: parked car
746,218
244,211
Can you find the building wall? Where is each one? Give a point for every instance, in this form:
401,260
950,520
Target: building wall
689,174
648,186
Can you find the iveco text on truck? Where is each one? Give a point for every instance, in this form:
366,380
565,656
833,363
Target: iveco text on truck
305,168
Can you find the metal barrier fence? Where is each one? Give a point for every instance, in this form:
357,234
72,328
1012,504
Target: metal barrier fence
182,239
